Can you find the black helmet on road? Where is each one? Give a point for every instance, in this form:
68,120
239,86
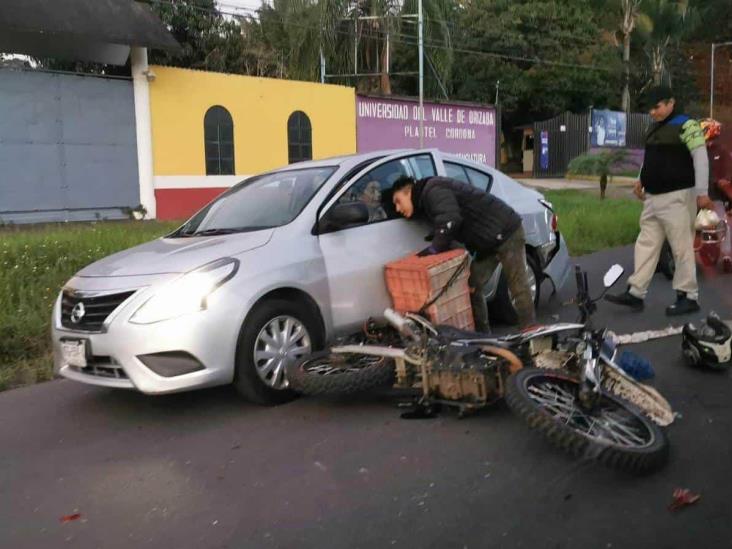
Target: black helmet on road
709,345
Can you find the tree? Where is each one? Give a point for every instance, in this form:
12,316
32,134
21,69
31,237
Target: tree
364,36
441,20
621,17
663,24
630,9
195,24
211,41
604,164
547,55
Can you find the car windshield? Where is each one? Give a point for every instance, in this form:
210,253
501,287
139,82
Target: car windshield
263,202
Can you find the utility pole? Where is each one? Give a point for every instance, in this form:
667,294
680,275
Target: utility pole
711,84
420,23
322,66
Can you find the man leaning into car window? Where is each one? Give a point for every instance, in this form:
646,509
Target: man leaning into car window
484,224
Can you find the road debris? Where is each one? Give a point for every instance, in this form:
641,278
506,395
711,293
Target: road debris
683,497
640,337
69,518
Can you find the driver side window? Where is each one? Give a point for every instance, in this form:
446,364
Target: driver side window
374,188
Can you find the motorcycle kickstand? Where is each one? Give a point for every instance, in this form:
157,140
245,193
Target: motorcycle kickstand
421,409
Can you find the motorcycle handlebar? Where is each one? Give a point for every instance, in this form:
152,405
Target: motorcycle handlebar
395,319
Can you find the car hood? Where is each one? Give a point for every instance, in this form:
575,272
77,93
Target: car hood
175,255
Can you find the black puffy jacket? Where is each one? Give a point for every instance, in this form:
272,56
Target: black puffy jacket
459,211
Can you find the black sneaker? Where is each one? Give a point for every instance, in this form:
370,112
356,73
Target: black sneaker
683,306
626,299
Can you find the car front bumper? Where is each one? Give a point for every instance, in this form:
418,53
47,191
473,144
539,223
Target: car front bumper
114,355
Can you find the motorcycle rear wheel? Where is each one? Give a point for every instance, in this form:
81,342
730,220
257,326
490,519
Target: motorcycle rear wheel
616,434
328,374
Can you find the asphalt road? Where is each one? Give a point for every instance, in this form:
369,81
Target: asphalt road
205,469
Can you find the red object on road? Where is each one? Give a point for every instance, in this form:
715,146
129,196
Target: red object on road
70,518
683,497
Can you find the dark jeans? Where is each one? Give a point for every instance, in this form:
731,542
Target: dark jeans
512,256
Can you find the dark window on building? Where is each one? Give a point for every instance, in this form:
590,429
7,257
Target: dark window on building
218,130
299,137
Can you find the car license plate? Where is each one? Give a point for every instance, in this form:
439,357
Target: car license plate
73,352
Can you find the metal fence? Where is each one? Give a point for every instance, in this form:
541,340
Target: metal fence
568,137
635,133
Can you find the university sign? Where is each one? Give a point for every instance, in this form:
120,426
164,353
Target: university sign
465,130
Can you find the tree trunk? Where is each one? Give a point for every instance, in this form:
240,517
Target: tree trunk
657,66
626,63
603,186
385,81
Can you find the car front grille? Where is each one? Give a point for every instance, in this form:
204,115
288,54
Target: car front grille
95,309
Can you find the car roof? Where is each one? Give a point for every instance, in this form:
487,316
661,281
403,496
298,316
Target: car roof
345,161
470,163
349,161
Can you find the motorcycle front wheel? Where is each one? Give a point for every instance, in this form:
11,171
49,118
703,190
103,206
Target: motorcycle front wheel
326,373
615,433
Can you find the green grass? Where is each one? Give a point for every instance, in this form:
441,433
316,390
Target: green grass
590,224
35,261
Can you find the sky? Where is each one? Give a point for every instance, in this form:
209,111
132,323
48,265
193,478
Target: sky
226,4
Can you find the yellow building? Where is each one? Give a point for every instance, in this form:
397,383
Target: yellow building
210,130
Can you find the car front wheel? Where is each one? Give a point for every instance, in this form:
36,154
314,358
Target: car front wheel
276,333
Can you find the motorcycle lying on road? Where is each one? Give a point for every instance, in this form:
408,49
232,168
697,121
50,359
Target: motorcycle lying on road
561,379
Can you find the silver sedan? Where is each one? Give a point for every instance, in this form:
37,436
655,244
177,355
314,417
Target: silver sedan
275,267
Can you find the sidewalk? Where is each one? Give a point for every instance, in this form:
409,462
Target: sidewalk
620,187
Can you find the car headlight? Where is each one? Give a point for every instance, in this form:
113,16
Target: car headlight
186,294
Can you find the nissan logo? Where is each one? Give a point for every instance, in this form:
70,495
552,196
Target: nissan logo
77,313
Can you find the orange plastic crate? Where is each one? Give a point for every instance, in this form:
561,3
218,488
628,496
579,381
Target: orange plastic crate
413,281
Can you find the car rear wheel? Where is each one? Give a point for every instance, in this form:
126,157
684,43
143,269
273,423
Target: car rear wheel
276,333
501,308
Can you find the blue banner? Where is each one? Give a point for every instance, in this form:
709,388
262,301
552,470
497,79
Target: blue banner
608,129
544,154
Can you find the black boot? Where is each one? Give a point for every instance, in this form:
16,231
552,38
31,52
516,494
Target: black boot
626,299
683,305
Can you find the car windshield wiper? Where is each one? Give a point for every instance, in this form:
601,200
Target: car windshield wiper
221,231
214,232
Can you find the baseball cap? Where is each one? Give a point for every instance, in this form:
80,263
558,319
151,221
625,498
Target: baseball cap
656,94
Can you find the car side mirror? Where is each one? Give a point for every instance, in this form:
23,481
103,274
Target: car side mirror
342,216
612,275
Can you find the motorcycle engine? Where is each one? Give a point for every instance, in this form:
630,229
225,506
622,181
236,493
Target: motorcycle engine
464,374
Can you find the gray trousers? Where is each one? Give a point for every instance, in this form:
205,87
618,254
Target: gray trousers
512,257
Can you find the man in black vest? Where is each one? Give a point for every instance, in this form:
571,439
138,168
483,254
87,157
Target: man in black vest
673,183
485,224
